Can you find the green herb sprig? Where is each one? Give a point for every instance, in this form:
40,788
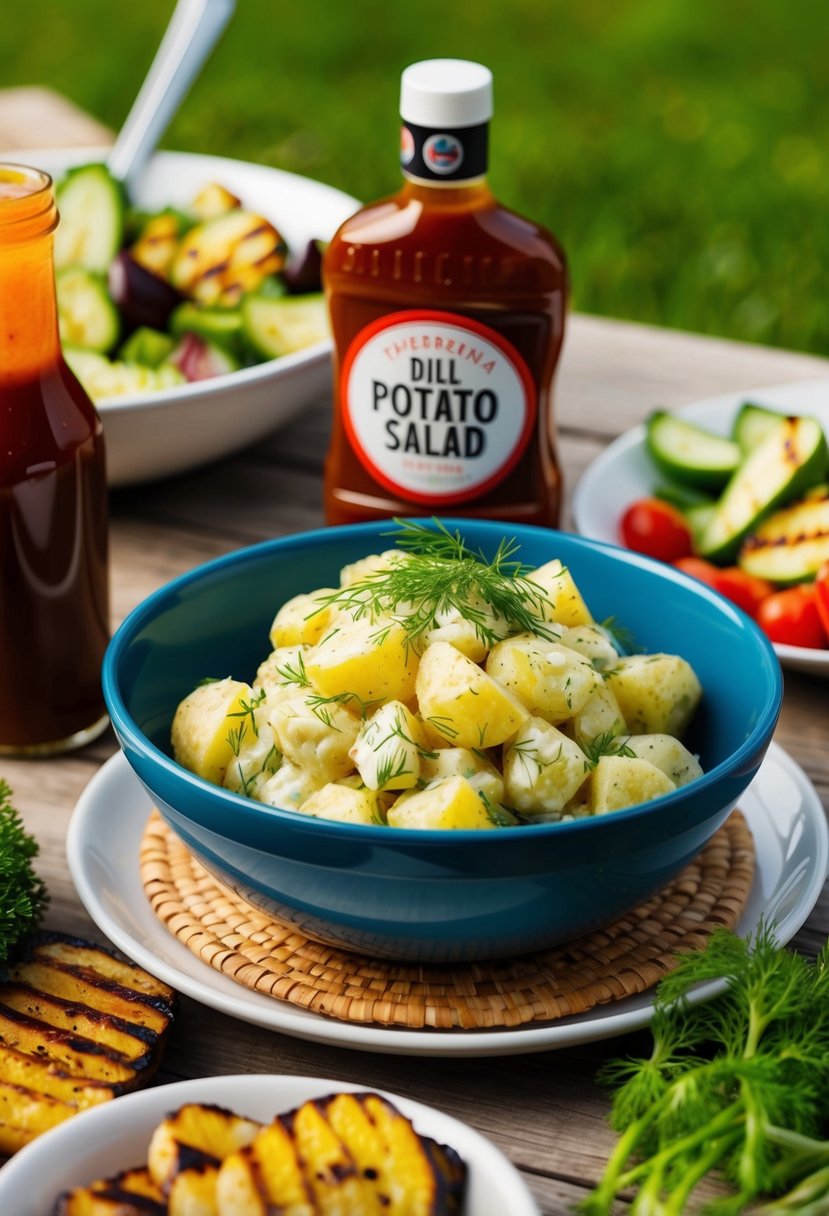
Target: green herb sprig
738,1086
439,573
23,896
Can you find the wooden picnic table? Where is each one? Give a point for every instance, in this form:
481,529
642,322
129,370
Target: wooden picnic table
544,1111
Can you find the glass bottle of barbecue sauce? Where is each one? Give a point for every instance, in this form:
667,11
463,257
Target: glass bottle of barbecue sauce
53,504
447,312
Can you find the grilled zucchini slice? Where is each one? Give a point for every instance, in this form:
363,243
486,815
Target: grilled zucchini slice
688,453
218,261
91,205
789,461
792,544
753,425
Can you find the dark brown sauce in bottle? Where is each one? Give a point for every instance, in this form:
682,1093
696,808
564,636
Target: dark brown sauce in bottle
53,499
453,251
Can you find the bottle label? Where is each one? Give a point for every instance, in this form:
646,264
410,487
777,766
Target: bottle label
437,407
451,155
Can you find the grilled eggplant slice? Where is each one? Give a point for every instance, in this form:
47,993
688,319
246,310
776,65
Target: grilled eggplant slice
77,1027
130,1193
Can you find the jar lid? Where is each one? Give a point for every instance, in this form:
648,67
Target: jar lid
446,93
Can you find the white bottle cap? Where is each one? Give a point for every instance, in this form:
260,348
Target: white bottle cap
446,93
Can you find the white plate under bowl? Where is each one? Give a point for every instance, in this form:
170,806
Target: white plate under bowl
106,1139
625,472
152,435
781,806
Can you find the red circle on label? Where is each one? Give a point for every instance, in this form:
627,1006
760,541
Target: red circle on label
458,321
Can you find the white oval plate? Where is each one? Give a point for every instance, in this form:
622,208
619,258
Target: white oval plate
782,808
152,435
106,1139
625,472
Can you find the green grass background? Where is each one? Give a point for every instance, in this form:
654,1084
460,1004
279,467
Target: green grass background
677,147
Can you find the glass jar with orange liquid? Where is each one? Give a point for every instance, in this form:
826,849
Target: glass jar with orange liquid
53,500
447,312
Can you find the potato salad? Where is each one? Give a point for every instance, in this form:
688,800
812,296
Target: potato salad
437,689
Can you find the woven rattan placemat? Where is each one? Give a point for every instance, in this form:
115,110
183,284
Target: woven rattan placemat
619,960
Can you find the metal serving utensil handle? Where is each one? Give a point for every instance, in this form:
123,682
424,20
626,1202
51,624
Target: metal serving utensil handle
194,29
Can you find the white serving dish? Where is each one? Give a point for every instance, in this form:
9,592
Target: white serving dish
782,810
106,1139
624,472
153,435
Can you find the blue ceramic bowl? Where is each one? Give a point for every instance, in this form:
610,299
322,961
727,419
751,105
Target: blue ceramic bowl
434,895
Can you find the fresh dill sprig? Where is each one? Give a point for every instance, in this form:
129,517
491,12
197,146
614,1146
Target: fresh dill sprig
248,710
391,766
737,1086
318,705
295,675
606,744
23,896
441,574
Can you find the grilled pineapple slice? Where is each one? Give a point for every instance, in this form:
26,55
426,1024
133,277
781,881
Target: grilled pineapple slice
77,1027
345,1155
186,1150
130,1193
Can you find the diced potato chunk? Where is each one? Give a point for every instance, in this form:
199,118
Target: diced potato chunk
593,643
318,737
344,803
566,606
657,693
290,787
552,681
204,725
303,620
543,769
600,715
387,749
282,672
452,803
463,704
375,563
371,659
667,754
480,772
456,628
254,762
621,781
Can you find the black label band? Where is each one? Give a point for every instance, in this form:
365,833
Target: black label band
447,155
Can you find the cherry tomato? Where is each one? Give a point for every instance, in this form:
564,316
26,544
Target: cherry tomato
698,568
822,595
744,590
656,529
791,617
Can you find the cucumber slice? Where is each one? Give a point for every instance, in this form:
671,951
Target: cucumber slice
103,380
147,346
785,465
91,228
792,544
753,424
87,316
689,453
279,327
698,518
684,498
221,326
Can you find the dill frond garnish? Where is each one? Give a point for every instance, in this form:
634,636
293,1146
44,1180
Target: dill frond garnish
295,675
440,574
606,744
619,636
